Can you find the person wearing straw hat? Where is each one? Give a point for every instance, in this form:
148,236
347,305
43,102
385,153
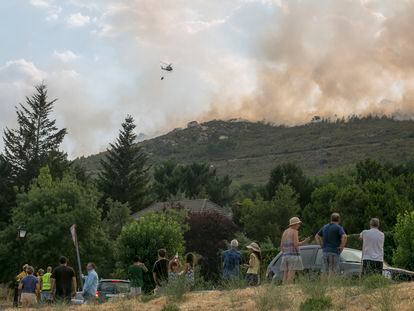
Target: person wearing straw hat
253,271
289,245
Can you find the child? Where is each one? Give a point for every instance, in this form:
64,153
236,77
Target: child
253,271
136,276
189,269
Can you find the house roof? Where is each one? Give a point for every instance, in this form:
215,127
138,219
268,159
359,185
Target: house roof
193,206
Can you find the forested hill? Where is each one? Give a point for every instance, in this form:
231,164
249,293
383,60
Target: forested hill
247,151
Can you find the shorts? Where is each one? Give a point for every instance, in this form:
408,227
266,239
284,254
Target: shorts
291,262
370,267
135,291
28,300
330,262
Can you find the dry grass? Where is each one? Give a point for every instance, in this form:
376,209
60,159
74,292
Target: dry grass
395,297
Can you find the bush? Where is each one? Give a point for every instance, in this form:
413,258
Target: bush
404,238
208,234
176,289
144,237
316,304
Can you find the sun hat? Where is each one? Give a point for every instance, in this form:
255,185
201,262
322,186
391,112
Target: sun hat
254,246
294,221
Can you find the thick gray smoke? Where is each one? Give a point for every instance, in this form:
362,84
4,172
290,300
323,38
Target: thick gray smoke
330,58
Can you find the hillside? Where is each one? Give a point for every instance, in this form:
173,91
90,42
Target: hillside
247,151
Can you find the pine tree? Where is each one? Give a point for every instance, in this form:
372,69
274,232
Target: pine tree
7,193
124,175
35,142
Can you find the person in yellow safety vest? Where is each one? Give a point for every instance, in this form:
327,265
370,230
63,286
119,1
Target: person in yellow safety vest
17,292
46,286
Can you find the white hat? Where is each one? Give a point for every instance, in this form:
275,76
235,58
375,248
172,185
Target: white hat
294,221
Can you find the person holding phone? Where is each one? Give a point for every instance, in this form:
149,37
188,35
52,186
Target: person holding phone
289,245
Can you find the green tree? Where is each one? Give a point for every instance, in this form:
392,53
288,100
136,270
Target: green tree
47,211
194,181
119,214
7,194
36,141
404,238
289,173
124,174
167,180
267,219
351,203
370,170
145,236
318,212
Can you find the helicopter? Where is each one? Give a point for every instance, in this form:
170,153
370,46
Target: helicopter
166,67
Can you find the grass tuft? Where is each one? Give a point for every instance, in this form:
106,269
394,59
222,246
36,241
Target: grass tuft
171,307
316,304
271,297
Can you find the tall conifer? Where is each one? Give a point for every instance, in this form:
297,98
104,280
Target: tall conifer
124,176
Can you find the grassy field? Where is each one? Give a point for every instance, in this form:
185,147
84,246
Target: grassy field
248,151
303,296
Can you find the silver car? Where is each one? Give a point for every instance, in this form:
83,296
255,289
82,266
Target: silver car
350,264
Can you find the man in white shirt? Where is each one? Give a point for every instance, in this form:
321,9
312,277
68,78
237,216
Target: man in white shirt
372,249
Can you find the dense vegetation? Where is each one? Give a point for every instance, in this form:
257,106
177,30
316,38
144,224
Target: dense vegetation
45,193
247,151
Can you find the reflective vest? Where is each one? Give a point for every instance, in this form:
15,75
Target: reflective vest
46,286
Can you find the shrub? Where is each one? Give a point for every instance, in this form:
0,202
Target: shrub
404,238
144,237
316,304
208,234
176,289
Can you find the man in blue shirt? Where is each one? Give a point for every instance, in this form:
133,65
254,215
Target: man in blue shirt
91,284
333,239
231,261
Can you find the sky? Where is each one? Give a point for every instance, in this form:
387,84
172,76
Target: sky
274,60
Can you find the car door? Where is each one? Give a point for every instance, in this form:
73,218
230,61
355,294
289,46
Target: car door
350,262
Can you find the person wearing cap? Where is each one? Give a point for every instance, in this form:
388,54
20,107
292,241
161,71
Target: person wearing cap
253,271
29,287
231,261
289,245
19,277
333,239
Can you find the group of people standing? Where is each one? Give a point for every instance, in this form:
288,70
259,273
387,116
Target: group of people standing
332,239
57,285
163,272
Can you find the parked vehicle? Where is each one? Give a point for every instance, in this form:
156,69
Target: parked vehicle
350,264
109,289
78,299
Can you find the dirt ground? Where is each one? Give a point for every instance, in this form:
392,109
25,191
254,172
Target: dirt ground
399,297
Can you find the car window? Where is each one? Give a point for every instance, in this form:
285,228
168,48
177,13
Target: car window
114,287
308,257
351,255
